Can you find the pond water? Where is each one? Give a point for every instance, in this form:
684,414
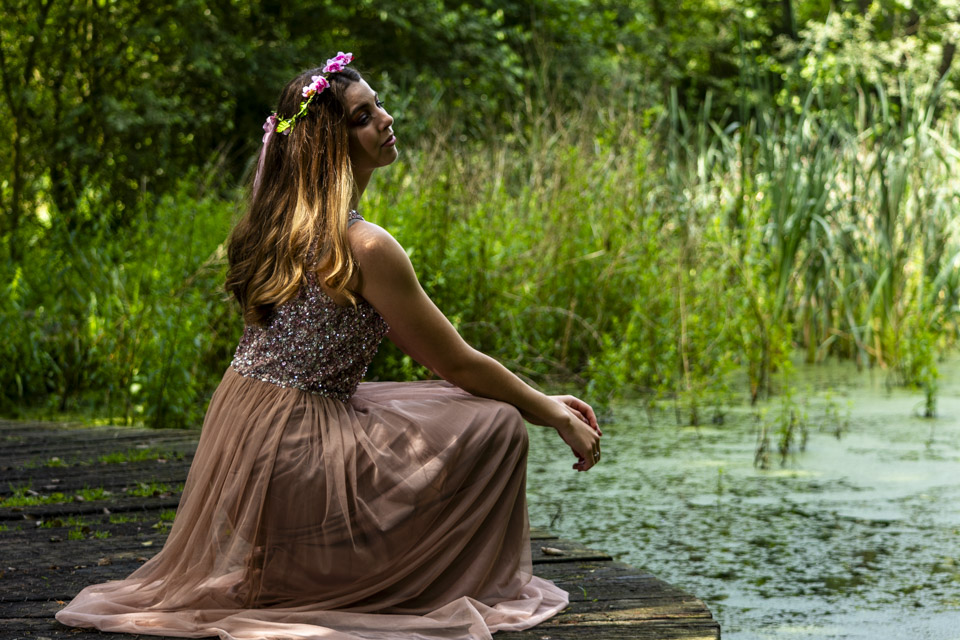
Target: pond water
857,536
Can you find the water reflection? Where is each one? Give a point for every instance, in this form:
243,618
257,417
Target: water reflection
856,537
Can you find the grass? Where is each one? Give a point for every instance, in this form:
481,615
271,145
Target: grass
138,455
629,247
124,518
49,463
153,489
72,521
24,496
166,520
125,456
88,494
80,528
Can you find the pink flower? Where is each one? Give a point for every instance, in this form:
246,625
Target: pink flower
269,126
338,62
319,84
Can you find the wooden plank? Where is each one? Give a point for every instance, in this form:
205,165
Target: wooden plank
577,613
536,533
652,630
43,568
25,460
46,481
556,551
115,504
38,629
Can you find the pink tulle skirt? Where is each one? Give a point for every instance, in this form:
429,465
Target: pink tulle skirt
400,514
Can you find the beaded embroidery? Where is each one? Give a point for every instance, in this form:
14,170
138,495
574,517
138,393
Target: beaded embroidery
313,344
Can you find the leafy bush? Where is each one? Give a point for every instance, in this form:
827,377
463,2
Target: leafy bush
121,326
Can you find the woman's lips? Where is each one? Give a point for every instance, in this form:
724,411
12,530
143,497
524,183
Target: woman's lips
392,140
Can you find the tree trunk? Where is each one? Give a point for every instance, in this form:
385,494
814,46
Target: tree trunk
789,27
16,197
15,84
659,15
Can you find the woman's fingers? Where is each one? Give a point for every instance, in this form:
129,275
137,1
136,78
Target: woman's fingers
583,409
580,432
582,464
585,444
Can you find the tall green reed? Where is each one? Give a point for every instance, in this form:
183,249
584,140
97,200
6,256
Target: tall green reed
123,325
627,245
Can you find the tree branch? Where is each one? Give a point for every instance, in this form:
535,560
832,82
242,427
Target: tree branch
7,84
45,7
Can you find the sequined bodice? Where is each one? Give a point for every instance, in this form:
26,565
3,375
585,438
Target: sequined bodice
313,344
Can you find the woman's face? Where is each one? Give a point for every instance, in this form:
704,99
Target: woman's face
372,143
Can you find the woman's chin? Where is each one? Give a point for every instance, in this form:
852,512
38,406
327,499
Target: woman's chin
391,153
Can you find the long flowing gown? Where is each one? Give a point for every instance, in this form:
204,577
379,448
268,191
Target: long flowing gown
320,507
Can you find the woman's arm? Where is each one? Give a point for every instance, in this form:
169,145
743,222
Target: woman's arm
388,282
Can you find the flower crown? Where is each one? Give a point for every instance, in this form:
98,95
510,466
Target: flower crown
316,87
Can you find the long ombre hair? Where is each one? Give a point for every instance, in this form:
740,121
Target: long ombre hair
301,202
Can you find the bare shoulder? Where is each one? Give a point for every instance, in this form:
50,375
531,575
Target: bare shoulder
369,241
378,254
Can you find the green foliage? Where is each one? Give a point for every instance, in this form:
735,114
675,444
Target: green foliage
638,249
94,94
115,457
25,497
138,455
88,494
124,518
153,489
833,419
72,521
80,528
122,325
650,198
103,102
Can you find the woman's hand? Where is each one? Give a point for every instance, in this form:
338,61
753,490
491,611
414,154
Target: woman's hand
579,429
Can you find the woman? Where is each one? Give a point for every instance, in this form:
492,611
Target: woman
317,507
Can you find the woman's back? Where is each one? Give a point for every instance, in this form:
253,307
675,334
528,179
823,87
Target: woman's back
312,344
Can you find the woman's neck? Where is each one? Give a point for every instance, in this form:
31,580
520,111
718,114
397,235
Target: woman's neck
360,180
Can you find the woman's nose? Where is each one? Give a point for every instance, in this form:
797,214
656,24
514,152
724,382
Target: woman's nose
388,119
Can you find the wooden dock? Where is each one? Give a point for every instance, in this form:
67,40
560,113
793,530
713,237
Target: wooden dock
84,505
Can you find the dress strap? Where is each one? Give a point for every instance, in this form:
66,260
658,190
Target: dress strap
353,217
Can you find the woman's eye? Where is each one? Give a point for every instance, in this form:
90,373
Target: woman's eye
379,104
